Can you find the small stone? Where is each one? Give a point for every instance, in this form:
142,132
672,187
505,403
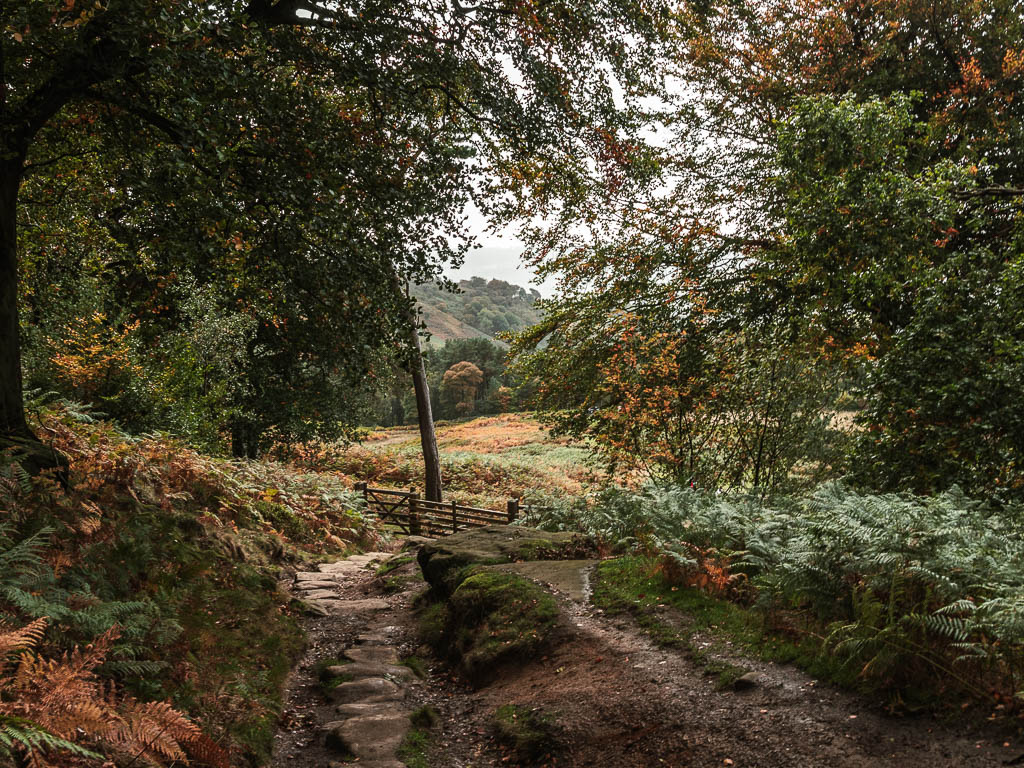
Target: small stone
746,682
368,689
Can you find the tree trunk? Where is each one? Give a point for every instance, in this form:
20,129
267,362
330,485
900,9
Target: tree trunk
16,439
244,440
397,411
12,404
428,439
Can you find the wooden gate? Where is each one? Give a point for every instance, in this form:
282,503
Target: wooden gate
420,517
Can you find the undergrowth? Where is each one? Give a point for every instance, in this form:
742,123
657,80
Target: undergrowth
166,560
901,591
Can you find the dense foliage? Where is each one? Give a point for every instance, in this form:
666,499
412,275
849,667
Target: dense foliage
499,390
848,210
278,169
903,588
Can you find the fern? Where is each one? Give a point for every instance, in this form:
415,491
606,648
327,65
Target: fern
53,704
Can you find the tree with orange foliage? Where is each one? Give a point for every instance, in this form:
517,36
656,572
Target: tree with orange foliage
461,383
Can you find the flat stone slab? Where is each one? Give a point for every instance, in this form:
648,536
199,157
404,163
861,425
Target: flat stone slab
368,690
342,567
369,604
324,607
321,585
372,654
369,708
570,577
322,594
363,670
370,737
413,542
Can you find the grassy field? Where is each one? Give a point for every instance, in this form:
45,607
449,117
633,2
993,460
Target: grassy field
485,461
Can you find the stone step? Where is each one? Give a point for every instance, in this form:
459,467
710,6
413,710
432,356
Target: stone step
372,654
370,689
370,737
369,708
360,671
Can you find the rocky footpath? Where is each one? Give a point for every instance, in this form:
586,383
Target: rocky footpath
357,703
523,669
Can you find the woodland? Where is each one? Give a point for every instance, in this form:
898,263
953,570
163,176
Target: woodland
781,367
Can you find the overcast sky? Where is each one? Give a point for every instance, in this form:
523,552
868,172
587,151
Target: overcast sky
498,256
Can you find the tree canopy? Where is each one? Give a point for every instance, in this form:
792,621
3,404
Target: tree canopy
275,165
842,185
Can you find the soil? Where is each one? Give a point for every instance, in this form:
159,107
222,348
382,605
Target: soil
620,701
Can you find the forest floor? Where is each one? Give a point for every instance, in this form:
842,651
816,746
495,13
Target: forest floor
615,699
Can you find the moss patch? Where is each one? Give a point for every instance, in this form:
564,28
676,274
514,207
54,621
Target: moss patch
530,735
426,717
394,564
415,663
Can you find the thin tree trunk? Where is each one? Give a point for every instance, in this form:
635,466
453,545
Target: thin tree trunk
15,436
424,414
428,438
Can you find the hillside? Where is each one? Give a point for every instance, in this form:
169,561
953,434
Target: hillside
481,308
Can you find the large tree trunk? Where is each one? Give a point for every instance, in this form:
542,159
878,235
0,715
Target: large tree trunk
12,405
15,436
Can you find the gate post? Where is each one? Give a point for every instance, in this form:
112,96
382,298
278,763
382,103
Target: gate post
513,510
414,515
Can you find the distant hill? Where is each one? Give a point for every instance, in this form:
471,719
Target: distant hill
481,308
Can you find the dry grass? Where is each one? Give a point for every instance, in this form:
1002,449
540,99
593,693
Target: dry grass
485,461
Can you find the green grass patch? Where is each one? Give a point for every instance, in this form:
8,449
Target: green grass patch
415,663
672,616
414,748
531,735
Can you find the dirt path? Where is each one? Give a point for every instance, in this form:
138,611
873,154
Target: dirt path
620,701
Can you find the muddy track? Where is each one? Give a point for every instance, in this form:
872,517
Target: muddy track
621,701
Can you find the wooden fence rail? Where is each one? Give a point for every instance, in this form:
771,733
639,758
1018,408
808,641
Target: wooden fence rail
420,517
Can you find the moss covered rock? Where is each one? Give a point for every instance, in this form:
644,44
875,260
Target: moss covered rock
446,562
493,618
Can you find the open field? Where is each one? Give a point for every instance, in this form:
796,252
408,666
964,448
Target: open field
485,461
